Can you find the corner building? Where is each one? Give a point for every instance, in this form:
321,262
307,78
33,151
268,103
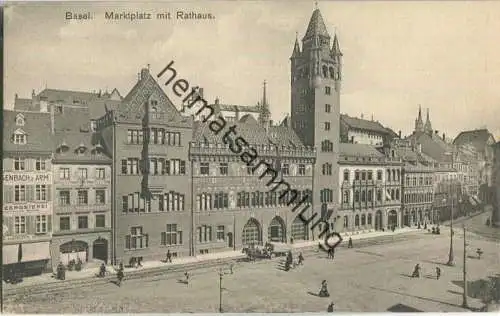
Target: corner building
316,74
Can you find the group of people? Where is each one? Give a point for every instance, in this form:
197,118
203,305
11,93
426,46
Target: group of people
289,260
417,269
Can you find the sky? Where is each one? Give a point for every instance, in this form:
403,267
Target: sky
442,55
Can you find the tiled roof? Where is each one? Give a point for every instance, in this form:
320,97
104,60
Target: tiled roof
66,145
357,123
478,138
254,133
361,150
316,25
67,96
236,108
72,119
25,105
432,146
36,127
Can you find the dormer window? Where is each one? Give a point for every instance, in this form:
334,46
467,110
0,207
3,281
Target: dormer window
97,150
63,147
81,149
19,137
93,125
19,120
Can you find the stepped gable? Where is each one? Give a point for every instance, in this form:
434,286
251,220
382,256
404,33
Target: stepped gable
359,150
36,127
132,106
477,138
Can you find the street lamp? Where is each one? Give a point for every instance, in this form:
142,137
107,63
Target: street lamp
464,297
221,274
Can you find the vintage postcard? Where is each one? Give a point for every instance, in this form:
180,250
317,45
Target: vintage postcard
250,156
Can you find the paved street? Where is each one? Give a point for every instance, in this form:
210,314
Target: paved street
373,278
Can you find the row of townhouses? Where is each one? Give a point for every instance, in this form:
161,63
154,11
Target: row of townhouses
103,177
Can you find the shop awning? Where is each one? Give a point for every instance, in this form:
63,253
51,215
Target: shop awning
10,253
36,251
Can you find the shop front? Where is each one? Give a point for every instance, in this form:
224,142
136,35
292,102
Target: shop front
24,259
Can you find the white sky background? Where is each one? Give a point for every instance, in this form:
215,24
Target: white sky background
442,55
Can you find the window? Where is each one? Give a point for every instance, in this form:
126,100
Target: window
328,90
64,197
346,175
302,169
19,138
220,233
19,193
346,221
285,169
223,168
356,196
172,236
370,175
379,175
327,126
327,169
204,201
100,173
64,173
130,166
137,239
135,136
82,173
64,223
171,201
379,195
369,195
326,196
100,220
204,234
20,119
326,146
173,138
19,164
40,164
363,175
328,108
83,222
221,200
204,168
83,197
346,197
41,192
41,224
20,224
100,197
356,175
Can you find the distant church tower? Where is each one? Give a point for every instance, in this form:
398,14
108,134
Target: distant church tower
264,112
428,126
316,73
419,124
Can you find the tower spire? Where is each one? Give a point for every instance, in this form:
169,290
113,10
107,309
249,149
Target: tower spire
296,46
264,113
428,126
419,124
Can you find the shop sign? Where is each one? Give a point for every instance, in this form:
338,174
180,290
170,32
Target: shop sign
26,178
26,207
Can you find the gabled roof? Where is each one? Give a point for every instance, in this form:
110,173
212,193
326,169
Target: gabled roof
432,146
477,138
357,123
72,119
236,108
36,127
67,96
142,91
316,25
361,150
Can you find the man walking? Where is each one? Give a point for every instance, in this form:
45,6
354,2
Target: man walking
438,273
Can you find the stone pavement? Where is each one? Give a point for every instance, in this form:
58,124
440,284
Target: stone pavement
369,279
91,272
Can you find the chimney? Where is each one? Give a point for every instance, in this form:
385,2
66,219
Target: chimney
444,136
33,93
15,96
52,120
399,133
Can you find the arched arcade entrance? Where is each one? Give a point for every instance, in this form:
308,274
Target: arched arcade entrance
252,233
74,250
392,219
277,230
299,229
100,249
378,220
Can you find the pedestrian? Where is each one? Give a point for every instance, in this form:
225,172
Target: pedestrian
301,259
349,245
291,240
324,289
169,256
330,308
120,275
438,273
416,271
231,268
186,274
332,253
102,271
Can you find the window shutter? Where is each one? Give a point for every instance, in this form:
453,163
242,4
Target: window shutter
163,238
147,240
8,194
30,192
49,223
183,167
127,242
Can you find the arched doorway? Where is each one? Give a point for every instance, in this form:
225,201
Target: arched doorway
392,219
277,230
100,249
252,233
299,229
378,220
406,219
74,250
